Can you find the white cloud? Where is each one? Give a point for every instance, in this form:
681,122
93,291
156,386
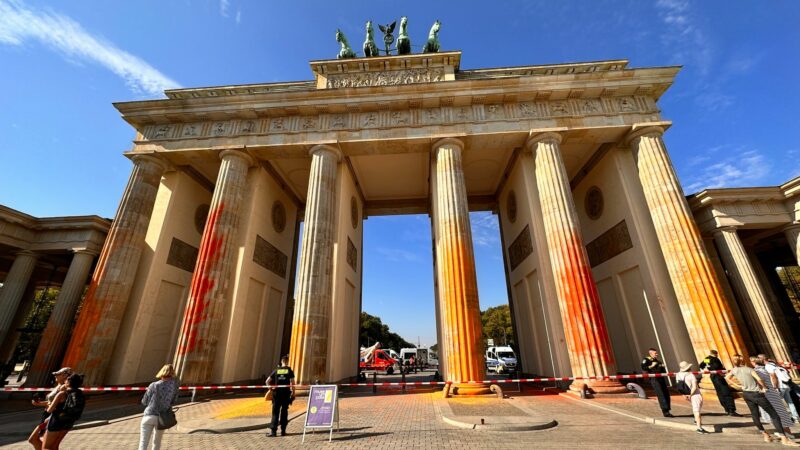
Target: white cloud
238,16
682,37
19,24
223,7
740,168
485,229
398,255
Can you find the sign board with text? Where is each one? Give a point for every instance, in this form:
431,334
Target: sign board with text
322,409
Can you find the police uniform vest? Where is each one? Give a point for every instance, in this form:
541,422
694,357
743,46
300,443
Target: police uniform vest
653,365
711,363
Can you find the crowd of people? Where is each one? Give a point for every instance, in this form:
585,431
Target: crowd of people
767,390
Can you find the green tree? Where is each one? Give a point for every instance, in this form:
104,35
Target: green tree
496,323
43,304
373,329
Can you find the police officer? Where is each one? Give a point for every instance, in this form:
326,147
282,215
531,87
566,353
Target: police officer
712,362
652,365
280,381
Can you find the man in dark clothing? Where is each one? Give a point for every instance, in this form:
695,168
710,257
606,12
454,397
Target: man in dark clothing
280,381
712,362
652,365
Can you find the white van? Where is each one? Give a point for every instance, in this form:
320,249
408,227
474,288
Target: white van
501,359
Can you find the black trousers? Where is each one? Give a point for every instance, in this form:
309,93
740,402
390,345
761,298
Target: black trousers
723,393
660,386
756,399
280,408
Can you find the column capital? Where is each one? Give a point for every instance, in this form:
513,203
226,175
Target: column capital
655,129
728,228
85,251
151,159
791,226
553,135
26,252
327,148
230,153
448,141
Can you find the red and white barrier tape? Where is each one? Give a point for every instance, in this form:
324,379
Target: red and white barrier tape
638,376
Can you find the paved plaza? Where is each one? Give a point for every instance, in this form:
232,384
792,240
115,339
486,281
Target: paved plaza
394,420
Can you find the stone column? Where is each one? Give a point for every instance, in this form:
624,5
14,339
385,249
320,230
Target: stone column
792,233
95,334
208,294
54,339
456,277
705,309
590,351
308,351
14,287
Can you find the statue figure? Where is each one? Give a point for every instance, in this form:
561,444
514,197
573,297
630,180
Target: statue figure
432,46
370,49
346,51
387,35
403,41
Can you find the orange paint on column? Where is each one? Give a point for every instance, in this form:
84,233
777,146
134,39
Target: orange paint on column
588,344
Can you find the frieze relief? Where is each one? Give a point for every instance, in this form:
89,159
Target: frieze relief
340,121
385,78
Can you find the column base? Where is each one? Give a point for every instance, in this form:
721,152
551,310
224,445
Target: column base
466,389
599,387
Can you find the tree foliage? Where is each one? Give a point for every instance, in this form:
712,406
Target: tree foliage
373,329
496,323
43,304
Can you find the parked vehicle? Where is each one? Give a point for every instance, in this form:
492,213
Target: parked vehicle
501,359
374,358
420,357
433,359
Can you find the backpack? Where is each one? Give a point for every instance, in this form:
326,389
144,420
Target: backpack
73,406
683,388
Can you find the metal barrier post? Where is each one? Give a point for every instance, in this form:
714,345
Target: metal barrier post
403,379
375,382
194,395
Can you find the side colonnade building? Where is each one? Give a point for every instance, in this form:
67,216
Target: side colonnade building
602,255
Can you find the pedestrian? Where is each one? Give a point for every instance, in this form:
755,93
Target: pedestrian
65,409
753,394
413,363
712,362
688,386
159,397
61,376
771,392
783,381
281,384
652,365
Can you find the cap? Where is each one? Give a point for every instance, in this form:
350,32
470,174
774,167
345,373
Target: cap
685,366
63,371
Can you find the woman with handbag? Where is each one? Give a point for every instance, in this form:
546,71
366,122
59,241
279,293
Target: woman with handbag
158,401
36,436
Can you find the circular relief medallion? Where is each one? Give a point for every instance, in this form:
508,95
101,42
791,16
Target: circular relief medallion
278,216
200,216
594,203
511,206
354,212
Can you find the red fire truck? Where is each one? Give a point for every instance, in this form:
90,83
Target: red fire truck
373,358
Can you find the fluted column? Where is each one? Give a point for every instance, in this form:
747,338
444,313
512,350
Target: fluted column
589,346
705,309
14,287
95,333
456,277
792,233
54,339
308,352
755,305
208,294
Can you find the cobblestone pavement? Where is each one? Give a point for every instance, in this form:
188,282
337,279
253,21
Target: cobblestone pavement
410,421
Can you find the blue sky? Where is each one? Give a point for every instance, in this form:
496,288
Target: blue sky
62,64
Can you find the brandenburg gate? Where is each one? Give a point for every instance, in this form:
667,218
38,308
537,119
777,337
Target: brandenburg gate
602,256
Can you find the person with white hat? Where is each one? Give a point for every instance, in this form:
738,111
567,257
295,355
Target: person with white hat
688,386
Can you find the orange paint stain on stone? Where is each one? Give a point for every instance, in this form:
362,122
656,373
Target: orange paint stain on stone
203,283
